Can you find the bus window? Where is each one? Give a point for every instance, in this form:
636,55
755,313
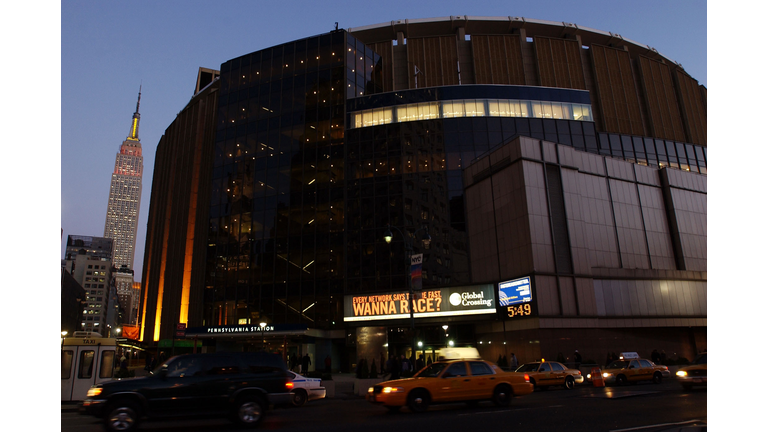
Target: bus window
86,364
107,364
66,364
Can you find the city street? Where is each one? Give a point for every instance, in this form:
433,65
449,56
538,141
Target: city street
642,407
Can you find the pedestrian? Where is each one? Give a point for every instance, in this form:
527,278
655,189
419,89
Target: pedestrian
608,359
382,363
655,357
513,364
374,372
152,364
406,364
147,362
123,364
577,358
305,362
328,364
663,357
429,360
395,371
294,362
420,363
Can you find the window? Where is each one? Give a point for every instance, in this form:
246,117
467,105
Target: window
66,364
480,368
544,367
107,364
185,366
86,364
645,363
634,364
222,365
557,367
456,370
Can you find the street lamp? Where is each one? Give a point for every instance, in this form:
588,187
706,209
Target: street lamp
409,249
263,325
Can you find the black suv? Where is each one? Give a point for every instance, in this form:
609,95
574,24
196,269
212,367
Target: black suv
238,385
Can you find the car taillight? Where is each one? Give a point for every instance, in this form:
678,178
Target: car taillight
527,378
578,372
289,385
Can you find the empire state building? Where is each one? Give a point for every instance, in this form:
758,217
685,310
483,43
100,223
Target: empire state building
125,196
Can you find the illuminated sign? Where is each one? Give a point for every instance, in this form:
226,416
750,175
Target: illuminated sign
515,297
440,302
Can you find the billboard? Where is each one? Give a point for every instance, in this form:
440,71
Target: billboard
438,302
515,297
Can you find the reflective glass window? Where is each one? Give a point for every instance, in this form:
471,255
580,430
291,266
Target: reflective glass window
86,364
66,363
107,364
456,370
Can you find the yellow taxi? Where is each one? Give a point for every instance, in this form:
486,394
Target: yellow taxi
445,381
695,374
549,373
634,369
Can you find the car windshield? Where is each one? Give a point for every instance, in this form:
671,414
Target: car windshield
618,364
432,371
701,360
528,367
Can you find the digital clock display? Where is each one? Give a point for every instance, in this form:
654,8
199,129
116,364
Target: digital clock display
515,297
519,310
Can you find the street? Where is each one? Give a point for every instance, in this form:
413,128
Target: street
642,407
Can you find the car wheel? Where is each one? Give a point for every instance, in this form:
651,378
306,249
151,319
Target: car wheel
657,378
502,395
621,380
298,397
418,401
249,411
570,383
122,416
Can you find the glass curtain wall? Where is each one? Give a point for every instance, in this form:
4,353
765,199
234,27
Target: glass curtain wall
276,234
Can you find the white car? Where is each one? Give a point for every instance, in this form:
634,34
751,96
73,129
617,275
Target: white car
305,389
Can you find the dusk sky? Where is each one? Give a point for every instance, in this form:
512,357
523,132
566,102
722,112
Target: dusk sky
109,49
104,50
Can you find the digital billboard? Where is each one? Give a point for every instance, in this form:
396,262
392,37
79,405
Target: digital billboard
515,297
439,302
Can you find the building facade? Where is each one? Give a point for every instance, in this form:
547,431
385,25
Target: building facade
272,207
125,196
89,261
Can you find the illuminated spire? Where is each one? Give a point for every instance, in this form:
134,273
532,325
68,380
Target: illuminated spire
134,133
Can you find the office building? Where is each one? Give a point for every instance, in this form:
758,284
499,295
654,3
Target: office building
125,196
89,261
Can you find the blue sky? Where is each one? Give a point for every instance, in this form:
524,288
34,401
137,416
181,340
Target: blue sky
110,48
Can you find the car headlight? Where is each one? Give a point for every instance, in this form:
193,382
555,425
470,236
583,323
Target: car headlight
589,376
94,391
607,374
392,390
370,389
682,373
